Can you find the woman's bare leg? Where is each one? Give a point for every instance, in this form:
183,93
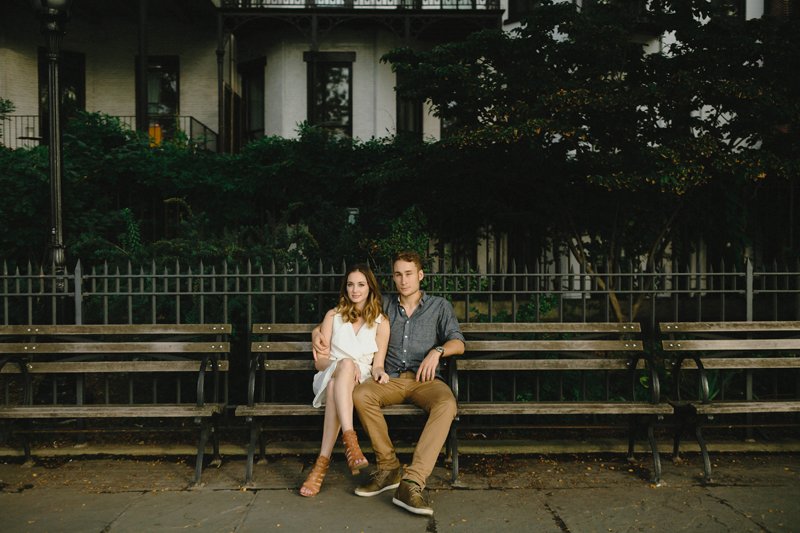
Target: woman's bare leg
330,427
330,432
344,381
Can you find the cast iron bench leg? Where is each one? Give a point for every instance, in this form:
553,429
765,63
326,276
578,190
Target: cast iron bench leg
201,447
632,428
251,450
654,448
453,440
216,459
704,450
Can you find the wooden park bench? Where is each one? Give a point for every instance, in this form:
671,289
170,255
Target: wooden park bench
118,371
744,348
282,356
549,369
277,357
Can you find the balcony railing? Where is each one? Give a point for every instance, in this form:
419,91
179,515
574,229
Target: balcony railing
363,4
22,131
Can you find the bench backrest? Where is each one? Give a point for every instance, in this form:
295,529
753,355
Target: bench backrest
186,350
489,347
522,359
733,343
738,346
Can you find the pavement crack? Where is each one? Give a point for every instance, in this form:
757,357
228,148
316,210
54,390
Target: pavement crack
557,518
110,525
727,504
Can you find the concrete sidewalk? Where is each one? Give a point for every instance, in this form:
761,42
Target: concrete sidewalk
564,493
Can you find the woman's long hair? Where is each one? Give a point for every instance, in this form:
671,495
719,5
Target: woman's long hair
372,307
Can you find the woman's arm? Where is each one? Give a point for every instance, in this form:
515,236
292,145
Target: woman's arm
382,338
323,361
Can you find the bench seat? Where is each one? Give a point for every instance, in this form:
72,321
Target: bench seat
563,408
174,410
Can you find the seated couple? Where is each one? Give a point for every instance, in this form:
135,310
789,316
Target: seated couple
373,352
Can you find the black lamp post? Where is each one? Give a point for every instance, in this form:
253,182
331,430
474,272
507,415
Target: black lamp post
53,15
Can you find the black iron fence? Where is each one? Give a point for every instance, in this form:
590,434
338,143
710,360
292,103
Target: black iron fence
293,293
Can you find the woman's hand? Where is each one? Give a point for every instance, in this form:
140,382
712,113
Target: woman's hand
379,375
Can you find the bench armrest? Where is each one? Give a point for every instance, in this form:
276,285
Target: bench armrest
201,378
27,393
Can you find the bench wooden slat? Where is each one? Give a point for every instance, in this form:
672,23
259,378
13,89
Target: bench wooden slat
563,408
717,363
743,407
264,329
286,409
117,329
544,364
111,411
489,327
727,327
551,327
466,364
488,364
571,345
28,348
281,347
731,344
288,364
90,367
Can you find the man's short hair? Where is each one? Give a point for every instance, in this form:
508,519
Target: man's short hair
408,255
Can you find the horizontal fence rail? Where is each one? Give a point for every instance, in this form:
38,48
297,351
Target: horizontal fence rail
362,4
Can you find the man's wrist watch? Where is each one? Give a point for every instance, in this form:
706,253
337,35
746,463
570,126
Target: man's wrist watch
439,349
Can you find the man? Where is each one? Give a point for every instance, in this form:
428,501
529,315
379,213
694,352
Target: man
424,329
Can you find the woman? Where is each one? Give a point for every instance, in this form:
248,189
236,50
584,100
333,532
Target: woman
358,334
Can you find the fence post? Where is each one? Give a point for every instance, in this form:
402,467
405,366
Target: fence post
749,287
78,293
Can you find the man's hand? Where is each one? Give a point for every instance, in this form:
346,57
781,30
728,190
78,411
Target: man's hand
319,347
427,370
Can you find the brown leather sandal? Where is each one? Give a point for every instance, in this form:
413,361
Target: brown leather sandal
352,451
313,482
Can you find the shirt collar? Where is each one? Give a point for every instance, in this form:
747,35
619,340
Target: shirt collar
422,300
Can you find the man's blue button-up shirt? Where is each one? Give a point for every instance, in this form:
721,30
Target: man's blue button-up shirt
432,324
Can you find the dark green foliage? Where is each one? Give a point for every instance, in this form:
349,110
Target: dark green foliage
583,138
569,129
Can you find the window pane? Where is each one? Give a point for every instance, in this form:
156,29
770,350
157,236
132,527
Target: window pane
331,97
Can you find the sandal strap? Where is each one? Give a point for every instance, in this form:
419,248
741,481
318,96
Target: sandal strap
314,480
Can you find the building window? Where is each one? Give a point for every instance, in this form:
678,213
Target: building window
163,97
782,9
252,99
409,115
330,91
519,9
72,85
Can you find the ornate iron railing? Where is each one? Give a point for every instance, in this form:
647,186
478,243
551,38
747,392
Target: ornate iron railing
22,131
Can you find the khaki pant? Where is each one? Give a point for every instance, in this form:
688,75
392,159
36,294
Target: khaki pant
434,397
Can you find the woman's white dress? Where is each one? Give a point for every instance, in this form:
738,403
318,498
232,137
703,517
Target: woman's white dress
345,343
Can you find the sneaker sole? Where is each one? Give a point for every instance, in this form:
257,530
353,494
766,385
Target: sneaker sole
376,492
415,510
